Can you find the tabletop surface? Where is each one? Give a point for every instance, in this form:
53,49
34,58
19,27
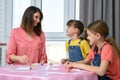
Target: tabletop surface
45,72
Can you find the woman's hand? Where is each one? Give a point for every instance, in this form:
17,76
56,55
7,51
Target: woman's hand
43,61
23,59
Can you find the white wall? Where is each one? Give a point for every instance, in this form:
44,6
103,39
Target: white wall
55,51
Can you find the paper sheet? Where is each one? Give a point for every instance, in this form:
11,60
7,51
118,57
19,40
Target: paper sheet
24,68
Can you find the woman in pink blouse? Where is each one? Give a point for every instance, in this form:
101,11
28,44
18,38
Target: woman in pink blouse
27,43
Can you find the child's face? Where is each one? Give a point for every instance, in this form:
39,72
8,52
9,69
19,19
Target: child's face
70,31
92,37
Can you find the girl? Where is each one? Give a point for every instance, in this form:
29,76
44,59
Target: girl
105,55
77,48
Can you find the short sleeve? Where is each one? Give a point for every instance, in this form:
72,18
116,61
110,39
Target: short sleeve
91,54
85,47
11,46
43,48
66,46
107,53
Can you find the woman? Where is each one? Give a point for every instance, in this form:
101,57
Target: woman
27,43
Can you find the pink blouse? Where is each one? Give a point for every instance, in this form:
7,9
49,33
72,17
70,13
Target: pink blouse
20,44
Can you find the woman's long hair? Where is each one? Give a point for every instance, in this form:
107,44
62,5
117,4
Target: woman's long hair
28,21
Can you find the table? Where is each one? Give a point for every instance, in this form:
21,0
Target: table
45,72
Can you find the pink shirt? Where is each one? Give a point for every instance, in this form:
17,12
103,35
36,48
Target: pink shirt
20,44
109,53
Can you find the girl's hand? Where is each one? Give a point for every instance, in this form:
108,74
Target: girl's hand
63,61
68,65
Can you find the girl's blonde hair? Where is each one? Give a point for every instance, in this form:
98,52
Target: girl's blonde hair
101,27
28,21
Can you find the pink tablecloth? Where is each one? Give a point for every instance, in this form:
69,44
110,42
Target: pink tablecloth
46,72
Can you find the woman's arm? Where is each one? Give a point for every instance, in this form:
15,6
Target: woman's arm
11,47
43,58
22,59
13,58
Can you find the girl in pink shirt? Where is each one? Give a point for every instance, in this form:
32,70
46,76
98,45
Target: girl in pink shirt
105,55
27,43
